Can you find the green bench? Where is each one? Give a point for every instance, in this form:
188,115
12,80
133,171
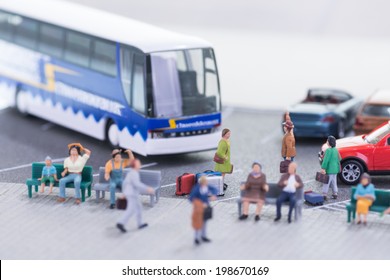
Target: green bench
86,179
381,203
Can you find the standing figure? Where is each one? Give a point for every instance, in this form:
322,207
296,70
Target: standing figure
255,188
200,196
365,196
288,142
223,153
132,187
331,166
73,167
114,172
289,182
49,174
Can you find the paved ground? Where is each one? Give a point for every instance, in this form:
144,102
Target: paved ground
40,228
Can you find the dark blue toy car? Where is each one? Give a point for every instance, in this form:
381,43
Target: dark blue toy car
324,112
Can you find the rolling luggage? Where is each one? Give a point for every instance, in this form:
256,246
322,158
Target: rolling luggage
313,198
216,182
207,173
185,183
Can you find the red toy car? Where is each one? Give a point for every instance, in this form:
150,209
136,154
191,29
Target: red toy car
364,153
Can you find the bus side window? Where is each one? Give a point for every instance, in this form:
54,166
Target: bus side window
104,57
5,26
51,40
26,33
138,87
78,48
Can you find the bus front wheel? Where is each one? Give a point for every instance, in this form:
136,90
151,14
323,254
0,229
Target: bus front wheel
112,134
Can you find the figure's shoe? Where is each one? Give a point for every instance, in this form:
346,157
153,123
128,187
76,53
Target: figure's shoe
197,242
112,206
225,186
142,226
325,197
257,218
121,227
243,217
277,219
205,239
289,220
334,196
60,199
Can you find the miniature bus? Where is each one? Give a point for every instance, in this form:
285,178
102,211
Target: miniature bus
110,77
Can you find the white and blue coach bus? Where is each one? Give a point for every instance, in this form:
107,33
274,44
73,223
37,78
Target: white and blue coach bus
109,77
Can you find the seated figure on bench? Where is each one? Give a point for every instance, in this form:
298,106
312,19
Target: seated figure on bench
49,174
255,188
365,196
73,166
114,172
289,182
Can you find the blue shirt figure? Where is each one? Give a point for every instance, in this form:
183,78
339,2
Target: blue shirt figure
48,171
362,191
202,194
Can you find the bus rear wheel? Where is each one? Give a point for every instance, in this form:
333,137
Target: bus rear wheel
112,134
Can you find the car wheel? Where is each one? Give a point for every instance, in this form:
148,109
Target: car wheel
351,171
341,129
112,134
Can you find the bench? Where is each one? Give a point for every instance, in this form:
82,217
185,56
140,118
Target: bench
86,179
272,195
380,204
150,178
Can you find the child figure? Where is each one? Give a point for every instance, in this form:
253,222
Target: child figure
49,173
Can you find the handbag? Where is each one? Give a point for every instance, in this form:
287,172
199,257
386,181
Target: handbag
284,166
217,159
322,178
121,203
208,213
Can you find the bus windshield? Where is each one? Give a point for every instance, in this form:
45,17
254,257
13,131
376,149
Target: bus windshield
185,83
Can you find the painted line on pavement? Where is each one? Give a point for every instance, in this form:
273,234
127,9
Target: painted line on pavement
327,205
27,165
227,199
149,164
169,185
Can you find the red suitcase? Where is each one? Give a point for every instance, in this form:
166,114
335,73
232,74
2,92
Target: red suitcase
184,183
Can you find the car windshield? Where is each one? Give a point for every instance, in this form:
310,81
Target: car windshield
376,110
184,83
324,96
377,135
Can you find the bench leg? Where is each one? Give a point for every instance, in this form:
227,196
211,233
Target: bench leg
298,212
29,189
239,203
36,188
82,195
89,191
349,215
103,194
354,214
157,195
151,203
97,195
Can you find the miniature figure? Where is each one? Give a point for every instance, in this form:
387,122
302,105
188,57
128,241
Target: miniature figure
131,189
114,172
222,156
365,196
289,182
49,174
254,191
200,196
73,166
288,142
331,166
